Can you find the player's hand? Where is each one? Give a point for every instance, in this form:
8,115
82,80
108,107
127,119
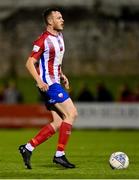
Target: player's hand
65,81
43,86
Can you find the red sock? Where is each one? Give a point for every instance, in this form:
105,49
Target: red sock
45,133
64,133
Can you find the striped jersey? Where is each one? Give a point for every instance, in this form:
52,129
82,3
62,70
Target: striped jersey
49,49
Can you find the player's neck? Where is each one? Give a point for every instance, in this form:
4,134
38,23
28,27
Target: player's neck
52,31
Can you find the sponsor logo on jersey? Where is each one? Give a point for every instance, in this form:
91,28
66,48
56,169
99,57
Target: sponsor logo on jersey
36,48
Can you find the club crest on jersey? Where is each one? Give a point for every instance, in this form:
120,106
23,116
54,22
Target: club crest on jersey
60,95
36,48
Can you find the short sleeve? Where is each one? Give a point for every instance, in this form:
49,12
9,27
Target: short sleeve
38,48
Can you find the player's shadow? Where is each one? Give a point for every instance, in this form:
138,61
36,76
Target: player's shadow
49,165
54,166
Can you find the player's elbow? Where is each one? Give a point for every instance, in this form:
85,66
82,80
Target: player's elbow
27,63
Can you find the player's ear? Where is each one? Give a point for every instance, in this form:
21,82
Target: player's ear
50,20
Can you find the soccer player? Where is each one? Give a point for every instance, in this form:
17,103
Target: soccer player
44,64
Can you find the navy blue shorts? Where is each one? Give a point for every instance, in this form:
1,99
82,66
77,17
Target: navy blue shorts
55,94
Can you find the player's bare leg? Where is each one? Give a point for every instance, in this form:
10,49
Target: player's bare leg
69,115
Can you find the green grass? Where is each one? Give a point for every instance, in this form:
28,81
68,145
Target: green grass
89,150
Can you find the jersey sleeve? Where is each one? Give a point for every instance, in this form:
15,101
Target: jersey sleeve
38,48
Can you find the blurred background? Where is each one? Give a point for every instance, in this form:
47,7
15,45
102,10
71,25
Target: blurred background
101,59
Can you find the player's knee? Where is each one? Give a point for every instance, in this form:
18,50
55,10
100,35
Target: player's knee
56,124
75,114
72,115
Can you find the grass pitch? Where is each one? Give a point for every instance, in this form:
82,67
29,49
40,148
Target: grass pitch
89,150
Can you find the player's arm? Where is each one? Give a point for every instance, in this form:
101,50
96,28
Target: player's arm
30,65
64,79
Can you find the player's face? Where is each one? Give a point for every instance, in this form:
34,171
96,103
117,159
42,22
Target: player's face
57,21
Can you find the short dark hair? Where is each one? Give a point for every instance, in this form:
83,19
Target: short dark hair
47,12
